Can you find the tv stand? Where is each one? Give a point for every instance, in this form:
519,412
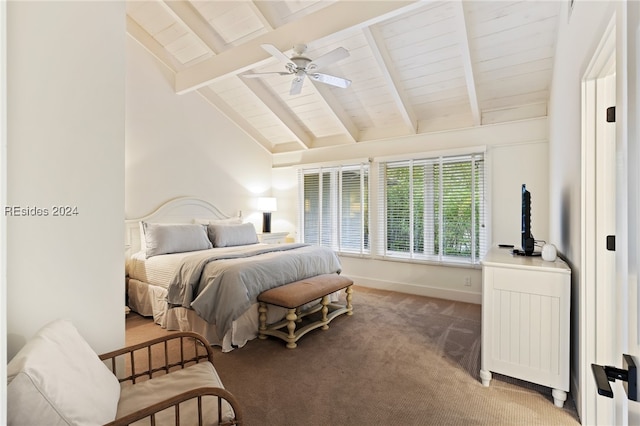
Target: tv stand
526,306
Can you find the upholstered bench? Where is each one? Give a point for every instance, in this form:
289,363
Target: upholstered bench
294,296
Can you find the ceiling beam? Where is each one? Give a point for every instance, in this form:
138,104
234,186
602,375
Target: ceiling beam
258,14
385,64
335,107
265,13
266,22
284,115
467,63
335,18
184,12
233,115
156,49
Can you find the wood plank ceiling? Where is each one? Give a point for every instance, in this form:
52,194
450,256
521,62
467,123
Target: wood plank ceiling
416,67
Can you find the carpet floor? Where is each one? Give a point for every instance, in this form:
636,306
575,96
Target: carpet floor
399,360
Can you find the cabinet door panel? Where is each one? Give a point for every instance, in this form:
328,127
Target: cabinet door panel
527,314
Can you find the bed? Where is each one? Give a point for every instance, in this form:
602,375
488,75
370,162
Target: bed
193,268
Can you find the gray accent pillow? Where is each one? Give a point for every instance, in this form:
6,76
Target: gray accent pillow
164,238
232,235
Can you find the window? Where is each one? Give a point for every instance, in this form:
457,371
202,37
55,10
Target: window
335,207
433,208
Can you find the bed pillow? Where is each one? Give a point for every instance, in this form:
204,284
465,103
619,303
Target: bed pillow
164,238
228,221
143,242
232,235
56,378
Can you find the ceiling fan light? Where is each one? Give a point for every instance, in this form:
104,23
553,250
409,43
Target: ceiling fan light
301,62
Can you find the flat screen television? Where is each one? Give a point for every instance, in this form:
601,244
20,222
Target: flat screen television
528,243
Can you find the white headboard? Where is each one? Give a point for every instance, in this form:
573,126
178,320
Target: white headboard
177,210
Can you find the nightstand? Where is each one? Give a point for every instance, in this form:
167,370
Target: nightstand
273,237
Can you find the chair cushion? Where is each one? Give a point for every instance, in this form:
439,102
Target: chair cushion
143,394
56,378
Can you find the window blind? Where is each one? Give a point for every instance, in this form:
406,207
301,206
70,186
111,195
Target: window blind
433,208
335,207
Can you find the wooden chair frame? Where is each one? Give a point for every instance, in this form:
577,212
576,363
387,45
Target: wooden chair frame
202,352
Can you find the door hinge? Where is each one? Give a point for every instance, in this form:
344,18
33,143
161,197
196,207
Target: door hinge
611,242
611,114
628,374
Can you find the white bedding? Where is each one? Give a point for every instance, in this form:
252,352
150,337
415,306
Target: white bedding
158,270
147,292
150,300
148,279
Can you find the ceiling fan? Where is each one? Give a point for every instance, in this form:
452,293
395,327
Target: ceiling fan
300,66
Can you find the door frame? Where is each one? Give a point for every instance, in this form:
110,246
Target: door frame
628,226
595,320
623,330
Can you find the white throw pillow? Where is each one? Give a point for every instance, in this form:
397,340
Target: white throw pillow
56,378
228,221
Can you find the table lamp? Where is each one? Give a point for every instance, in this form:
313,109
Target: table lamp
267,205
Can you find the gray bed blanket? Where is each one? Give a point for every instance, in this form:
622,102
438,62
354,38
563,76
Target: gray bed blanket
221,287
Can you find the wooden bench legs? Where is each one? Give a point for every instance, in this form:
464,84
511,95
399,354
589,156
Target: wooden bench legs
294,315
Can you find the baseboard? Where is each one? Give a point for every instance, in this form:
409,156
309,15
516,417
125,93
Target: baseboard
419,290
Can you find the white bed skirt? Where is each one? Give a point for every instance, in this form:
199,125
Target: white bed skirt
150,301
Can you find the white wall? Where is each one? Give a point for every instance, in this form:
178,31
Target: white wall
3,201
180,145
65,146
517,153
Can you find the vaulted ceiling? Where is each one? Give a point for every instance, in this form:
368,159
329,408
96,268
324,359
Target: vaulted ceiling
415,67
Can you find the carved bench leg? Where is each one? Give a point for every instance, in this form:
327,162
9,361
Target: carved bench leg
349,292
325,311
291,326
263,320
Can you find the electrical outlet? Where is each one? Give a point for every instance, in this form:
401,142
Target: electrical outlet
467,281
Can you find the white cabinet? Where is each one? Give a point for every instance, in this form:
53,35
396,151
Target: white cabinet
526,304
273,237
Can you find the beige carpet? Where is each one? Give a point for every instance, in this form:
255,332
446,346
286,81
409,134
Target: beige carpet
399,360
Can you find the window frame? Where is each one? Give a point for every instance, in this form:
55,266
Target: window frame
480,230
335,214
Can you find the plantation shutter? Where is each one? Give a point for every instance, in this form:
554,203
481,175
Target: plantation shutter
335,211
433,208
311,208
456,206
398,207
354,208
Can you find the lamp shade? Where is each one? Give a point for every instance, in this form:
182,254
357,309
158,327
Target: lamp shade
267,204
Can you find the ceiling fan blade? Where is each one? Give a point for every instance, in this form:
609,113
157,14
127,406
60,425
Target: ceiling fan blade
331,79
296,84
328,58
273,51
